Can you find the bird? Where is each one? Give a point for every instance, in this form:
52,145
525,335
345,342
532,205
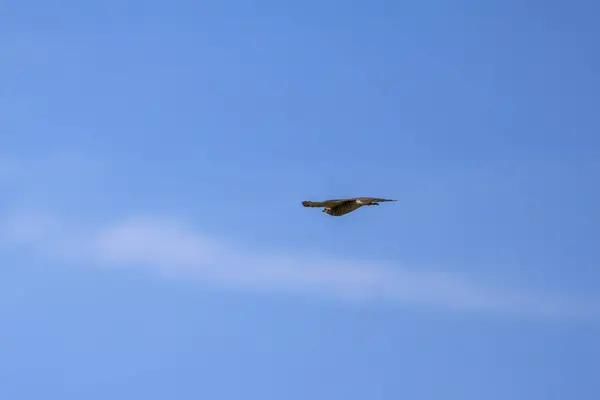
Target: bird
339,207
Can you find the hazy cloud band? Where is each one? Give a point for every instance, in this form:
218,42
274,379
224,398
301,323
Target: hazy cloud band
171,248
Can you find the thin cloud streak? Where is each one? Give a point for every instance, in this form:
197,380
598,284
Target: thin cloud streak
171,248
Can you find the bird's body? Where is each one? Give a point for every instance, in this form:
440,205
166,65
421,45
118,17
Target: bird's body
339,207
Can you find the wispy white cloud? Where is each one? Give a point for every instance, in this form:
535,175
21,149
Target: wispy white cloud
170,247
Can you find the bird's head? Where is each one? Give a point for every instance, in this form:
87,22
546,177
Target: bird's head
326,210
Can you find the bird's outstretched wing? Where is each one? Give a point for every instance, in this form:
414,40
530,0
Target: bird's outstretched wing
336,202
373,199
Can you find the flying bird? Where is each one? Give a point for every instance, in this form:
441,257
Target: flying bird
339,207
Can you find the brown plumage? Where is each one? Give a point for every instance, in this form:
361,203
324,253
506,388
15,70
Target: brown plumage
339,207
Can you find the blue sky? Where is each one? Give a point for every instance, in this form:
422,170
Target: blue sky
153,160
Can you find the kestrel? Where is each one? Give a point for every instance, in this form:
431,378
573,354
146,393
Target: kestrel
339,207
